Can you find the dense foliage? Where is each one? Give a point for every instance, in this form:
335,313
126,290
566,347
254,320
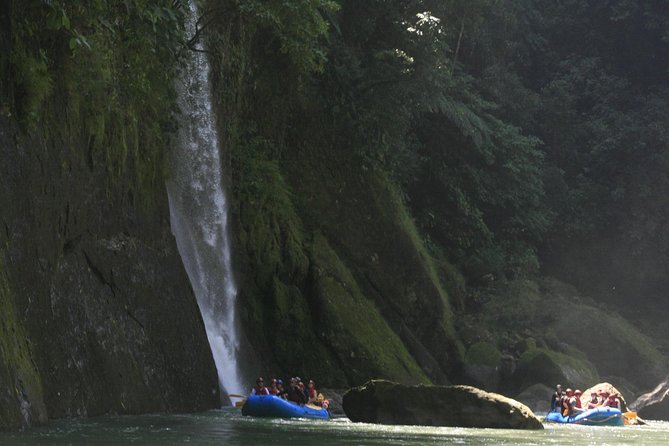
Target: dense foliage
103,70
524,133
519,130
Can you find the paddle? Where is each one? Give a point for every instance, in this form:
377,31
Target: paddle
238,404
629,416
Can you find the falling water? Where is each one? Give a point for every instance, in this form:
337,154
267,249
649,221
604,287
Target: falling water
198,214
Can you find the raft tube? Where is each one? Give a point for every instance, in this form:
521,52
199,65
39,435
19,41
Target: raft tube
270,406
600,416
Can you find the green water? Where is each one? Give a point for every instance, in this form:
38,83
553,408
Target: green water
228,427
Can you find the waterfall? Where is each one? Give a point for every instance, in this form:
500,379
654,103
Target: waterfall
198,214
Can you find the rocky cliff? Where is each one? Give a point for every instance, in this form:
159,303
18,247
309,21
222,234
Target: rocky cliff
97,312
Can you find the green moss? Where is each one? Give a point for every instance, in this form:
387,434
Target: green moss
550,368
483,353
390,201
15,364
34,84
104,88
271,230
294,340
514,306
353,327
332,332
615,345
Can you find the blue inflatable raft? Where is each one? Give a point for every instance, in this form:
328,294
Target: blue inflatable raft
600,416
270,406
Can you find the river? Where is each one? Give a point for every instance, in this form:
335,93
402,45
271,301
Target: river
228,427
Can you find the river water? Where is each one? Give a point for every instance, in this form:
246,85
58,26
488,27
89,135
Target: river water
228,427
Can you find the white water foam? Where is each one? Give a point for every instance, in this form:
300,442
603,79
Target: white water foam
198,214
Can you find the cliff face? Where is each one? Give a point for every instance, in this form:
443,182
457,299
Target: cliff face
336,282
98,315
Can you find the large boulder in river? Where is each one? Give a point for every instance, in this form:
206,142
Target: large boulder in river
603,387
385,402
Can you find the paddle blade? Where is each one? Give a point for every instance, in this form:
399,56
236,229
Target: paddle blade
239,404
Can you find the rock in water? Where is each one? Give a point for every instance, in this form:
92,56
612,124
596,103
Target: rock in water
653,397
657,411
605,387
385,402
654,405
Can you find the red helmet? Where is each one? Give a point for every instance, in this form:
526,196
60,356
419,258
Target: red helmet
570,392
578,392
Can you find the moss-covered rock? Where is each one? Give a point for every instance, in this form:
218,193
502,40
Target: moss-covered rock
362,216
300,295
21,400
559,336
613,344
483,353
482,366
108,319
550,368
350,325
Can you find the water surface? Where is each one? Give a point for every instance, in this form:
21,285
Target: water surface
228,427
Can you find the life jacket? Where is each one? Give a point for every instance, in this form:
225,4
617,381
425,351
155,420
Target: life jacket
313,393
614,403
578,402
568,406
273,391
260,390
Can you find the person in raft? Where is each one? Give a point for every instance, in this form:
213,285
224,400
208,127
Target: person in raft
577,396
570,405
260,388
279,387
302,388
295,394
273,387
612,401
315,398
594,401
556,398
312,393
